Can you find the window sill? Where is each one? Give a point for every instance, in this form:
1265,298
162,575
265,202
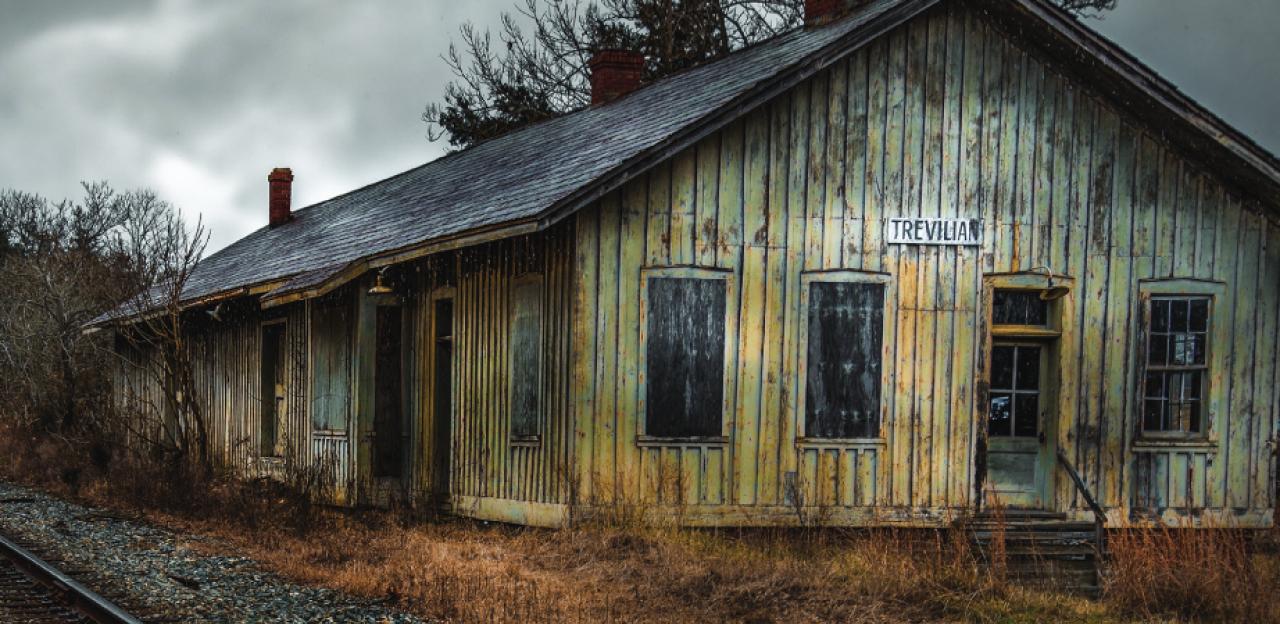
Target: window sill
532,441
839,442
329,433
646,440
1153,445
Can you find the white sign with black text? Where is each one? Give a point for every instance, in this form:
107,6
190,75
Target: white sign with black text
923,231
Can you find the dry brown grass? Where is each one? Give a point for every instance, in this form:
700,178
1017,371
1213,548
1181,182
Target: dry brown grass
470,572
619,570
1210,575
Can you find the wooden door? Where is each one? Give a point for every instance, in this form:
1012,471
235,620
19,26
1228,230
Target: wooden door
1018,442
389,439
273,390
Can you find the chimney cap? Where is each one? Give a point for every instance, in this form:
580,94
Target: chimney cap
281,174
620,56
821,12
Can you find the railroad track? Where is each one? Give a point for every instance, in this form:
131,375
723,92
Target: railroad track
32,590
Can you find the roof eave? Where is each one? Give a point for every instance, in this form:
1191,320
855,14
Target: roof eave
405,254
135,316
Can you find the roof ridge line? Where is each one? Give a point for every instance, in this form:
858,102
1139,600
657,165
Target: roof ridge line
570,113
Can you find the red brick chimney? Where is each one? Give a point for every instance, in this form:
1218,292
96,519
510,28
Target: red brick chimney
281,196
614,73
819,12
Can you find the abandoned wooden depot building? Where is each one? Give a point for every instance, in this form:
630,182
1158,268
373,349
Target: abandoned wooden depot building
912,260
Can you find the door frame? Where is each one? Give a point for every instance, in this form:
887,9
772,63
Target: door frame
397,483
438,471
1053,338
279,404
1043,444
372,489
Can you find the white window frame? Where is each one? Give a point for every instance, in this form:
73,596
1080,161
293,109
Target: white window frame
1212,398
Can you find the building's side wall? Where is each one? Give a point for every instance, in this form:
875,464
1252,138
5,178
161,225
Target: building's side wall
941,118
227,362
330,369
137,387
227,370
491,476
330,342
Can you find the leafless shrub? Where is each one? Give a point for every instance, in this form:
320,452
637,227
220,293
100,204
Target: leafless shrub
59,269
169,421
63,265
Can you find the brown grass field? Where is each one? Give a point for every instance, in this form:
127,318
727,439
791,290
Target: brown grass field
467,571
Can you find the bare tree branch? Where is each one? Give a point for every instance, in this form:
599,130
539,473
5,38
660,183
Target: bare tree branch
511,79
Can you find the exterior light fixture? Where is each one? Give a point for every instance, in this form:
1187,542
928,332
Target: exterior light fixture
1051,292
379,286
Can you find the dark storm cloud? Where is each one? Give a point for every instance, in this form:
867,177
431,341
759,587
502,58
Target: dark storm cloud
200,99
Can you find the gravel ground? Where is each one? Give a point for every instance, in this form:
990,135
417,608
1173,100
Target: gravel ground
156,568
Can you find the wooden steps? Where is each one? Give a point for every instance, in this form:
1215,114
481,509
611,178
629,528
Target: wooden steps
1039,549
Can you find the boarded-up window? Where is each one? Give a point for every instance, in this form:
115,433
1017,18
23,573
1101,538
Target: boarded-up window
526,341
331,357
842,379
1177,364
684,357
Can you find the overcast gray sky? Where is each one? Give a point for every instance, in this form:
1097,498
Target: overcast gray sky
199,100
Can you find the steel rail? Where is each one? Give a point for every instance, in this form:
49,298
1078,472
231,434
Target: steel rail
78,597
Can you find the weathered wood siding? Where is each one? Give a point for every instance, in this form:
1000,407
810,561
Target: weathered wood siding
138,393
486,462
943,117
329,409
330,388
227,367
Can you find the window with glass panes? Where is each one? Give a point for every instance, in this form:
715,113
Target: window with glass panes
1015,391
1014,409
1019,307
1177,365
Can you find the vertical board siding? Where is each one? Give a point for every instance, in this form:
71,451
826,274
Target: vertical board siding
226,363
943,117
333,455
137,392
324,363
485,462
